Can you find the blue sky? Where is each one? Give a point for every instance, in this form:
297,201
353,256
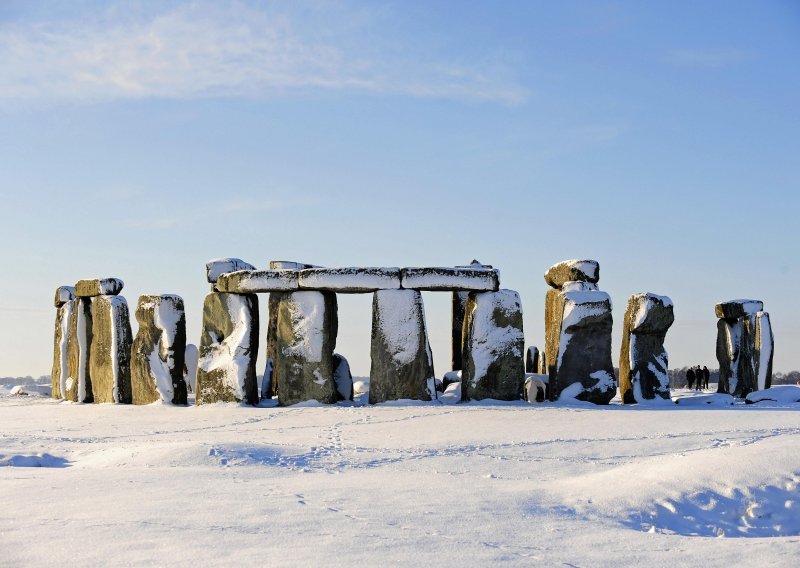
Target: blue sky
138,140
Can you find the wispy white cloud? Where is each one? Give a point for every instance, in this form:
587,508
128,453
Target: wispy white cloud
708,57
210,49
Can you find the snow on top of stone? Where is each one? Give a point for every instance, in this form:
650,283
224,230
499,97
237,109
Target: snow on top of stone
217,266
253,281
290,265
488,340
91,287
647,302
578,286
473,278
583,304
350,279
399,313
781,394
573,269
307,311
63,295
738,308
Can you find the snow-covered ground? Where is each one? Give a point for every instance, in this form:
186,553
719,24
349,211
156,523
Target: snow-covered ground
414,483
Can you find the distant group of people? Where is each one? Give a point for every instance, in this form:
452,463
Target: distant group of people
697,377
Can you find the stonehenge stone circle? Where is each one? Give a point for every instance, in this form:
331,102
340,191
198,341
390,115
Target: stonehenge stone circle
402,363
493,347
110,353
78,386
643,361
744,347
226,368
305,337
578,324
157,355
64,303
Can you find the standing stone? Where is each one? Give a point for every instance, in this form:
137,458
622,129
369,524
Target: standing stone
273,307
578,326
493,347
157,355
765,348
110,354
226,371
643,361
572,271
728,340
402,363
532,359
542,369
78,386
737,338
459,304
342,377
64,303
305,338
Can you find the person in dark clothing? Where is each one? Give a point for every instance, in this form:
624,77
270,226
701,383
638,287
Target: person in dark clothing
690,377
698,378
706,375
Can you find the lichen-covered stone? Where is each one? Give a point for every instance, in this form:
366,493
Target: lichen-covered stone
78,386
572,270
734,309
219,266
476,279
157,355
764,352
578,346
60,341
402,363
643,362
493,347
532,359
342,377
729,334
305,338
272,341
459,305
98,287
226,370
63,295
256,281
110,353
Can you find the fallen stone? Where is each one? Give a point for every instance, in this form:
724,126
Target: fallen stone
255,281
226,369
578,346
78,385
350,280
60,340
734,309
572,270
459,304
219,266
157,355
402,363
110,353
342,377
450,279
765,347
532,359
643,362
305,338
493,347
780,394
98,287
64,294
191,355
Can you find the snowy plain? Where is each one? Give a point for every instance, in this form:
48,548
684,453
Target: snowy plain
411,483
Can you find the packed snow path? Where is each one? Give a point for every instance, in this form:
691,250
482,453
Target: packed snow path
418,483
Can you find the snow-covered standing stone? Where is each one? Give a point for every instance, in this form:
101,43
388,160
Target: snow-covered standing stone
532,359
737,347
578,345
643,361
765,348
219,266
572,270
63,295
60,340
78,386
342,377
305,338
98,287
734,309
494,343
729,336
459,305
157,355
402,363
110,353
226,370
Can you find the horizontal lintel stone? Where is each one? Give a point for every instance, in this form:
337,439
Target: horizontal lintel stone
98,287
255,281
450,279
350,280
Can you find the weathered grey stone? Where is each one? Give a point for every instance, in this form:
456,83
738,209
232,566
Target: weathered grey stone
110,354
765,347
226,370
342,377
643,361
305,338
572,270
64,294
734,309
78,386
157,355
450,279
350,280
578,346
746,373
402,363
532,359
98,287
493,347
60,341
272,341
219,266
729,336
459,304
255,281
